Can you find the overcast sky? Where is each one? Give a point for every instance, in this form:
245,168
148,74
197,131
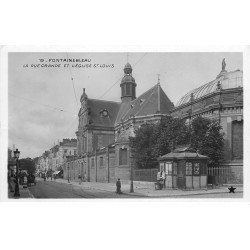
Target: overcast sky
42,103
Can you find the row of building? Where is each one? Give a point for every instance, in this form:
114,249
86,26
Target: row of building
101,152
54,158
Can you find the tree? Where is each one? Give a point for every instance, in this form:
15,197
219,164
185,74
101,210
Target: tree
27,164
141,146
208,139
171,132
154,140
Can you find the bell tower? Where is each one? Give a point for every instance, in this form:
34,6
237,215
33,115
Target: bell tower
128,85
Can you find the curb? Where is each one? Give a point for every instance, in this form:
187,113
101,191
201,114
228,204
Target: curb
177,195
142,195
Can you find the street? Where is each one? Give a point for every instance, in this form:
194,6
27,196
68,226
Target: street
53,189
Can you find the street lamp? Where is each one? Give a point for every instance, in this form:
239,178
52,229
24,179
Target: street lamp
131,175
16,155
68,173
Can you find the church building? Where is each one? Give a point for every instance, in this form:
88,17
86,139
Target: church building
105,126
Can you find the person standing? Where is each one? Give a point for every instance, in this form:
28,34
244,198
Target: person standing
118,187
80,178
163,176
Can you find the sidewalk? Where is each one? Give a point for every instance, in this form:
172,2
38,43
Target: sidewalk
24,193
142,189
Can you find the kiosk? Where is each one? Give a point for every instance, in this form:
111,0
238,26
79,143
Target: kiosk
184,169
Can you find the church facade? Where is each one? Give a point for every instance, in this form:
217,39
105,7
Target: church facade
104,126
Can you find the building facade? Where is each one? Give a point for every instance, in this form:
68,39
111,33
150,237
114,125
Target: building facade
54,159
220,99
105,127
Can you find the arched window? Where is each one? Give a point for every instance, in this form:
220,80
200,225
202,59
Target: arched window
123,156
237,140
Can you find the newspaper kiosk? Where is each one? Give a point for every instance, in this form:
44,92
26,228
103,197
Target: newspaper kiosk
184,169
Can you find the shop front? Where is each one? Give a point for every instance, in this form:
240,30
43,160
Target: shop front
184,168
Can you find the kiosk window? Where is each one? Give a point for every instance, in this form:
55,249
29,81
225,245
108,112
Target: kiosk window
175,168
162,166
197,168
203,169
188,168
168,168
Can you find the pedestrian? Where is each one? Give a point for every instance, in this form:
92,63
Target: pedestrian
118,187
80,179
163,176
10,180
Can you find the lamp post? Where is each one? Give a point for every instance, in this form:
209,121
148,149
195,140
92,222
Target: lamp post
68,173
16,155
131,176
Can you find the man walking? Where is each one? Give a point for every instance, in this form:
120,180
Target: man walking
118,187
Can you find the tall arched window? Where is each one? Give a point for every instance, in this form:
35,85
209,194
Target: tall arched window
123,156
237,140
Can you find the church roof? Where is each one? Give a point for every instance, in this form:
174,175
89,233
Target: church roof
227,80
153,101
97,115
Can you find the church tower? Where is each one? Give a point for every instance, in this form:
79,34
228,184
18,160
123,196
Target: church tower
128,85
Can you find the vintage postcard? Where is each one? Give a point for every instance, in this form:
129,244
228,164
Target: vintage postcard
122,125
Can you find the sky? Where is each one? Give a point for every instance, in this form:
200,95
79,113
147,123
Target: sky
43,102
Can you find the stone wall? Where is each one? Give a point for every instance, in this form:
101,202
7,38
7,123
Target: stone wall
99,167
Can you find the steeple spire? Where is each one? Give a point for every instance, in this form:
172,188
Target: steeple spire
128,84
159,95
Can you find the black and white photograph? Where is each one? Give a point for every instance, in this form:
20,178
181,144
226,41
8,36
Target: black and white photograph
125,125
